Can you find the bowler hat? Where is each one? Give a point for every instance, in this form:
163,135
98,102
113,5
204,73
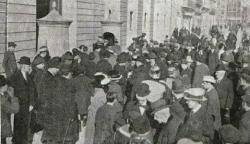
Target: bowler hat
3,81
229,134
24,60
195,94
114,75
11,44
142,90
54,62
178,86
220,67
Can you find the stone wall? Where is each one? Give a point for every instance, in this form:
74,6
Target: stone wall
89,15
2,31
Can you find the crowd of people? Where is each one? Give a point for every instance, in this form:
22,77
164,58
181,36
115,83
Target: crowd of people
191,89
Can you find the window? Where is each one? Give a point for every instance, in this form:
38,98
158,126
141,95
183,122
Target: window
145,20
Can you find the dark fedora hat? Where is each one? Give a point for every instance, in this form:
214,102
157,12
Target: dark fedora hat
11,44
24,60
178,86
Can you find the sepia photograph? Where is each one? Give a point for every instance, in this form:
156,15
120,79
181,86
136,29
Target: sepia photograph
125,71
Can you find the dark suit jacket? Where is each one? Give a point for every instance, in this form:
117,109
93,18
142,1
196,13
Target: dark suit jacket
138,123
197,127
225,92
9,63
25,91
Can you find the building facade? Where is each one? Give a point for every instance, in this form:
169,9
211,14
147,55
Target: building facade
124,19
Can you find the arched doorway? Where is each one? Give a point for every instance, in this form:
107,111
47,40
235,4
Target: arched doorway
110,37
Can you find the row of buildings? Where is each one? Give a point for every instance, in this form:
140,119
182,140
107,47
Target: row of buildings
66,24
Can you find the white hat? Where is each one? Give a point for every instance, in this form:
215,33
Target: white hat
195,94
209,79
106,79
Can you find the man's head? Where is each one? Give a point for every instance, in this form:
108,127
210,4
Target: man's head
24,63
155,72
220,72
54,65
43,51
208,82
11,46
39,63
178,89
83,48
142,91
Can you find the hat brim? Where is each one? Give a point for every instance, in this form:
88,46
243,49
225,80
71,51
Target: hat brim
141,98
196,99
210,81
20,62
116,78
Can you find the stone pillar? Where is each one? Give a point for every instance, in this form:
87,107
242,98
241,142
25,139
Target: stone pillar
54,32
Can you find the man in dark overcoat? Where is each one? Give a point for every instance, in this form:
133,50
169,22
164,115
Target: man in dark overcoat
9,105
197,124
224,87
46,91
9,60
24,90
64,122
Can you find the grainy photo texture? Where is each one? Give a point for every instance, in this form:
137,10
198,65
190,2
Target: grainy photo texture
125,71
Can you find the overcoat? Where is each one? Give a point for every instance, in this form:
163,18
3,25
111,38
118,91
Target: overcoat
225,92
107,117
9,105
197,127
9,63
25,91
214,107
64,124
